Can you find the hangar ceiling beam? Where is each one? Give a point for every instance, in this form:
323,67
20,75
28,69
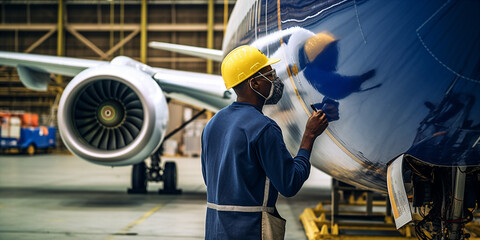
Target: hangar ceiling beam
103,55
87,42
40,40
176,59
179,27
182,27
121,43
27,27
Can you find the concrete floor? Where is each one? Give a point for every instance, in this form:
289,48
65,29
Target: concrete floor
63,197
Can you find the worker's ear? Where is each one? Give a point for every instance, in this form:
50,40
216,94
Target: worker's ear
254,82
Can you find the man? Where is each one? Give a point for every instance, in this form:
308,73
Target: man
245,162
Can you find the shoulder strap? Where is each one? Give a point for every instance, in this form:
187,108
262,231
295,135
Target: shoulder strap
266,191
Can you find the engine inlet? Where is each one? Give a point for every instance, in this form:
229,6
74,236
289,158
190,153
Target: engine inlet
107,115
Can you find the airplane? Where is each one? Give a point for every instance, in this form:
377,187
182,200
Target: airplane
399,81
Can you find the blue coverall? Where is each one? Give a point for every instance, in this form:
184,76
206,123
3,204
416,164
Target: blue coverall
240,148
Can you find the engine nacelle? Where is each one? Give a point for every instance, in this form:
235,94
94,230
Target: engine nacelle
112,115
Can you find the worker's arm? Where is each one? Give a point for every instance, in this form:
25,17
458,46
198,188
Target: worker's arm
287,174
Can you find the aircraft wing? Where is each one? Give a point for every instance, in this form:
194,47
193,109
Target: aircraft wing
206,53
202,90
199,89
34,70
115,112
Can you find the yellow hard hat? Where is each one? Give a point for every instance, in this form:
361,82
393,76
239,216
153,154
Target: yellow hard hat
243,62
315,44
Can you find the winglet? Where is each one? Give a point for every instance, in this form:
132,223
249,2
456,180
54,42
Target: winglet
213,54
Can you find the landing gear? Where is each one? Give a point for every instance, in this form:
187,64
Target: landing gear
170,179
141,175
139,178
168,174
445,198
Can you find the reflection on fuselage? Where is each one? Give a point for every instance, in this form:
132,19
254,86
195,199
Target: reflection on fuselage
448,125
318,59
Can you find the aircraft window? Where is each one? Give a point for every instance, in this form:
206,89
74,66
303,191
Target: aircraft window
454,22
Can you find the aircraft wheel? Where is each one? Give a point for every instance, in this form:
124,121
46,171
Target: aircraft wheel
139,178
170,177
31,149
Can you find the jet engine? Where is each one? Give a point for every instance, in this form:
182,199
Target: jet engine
112,115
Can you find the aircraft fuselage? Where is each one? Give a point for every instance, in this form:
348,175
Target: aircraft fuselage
395,77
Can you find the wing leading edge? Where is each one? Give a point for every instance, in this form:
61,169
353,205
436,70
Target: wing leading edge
34,69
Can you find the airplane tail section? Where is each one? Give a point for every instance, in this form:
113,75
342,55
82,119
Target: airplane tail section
213,54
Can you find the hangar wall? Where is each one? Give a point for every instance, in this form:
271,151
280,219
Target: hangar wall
101,30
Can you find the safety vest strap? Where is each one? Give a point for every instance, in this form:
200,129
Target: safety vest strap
266,191
233,208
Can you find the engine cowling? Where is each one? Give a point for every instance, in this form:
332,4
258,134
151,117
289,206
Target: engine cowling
112,115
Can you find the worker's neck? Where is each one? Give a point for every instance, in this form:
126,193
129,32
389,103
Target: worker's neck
252,100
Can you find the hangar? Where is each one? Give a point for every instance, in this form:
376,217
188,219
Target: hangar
50,193
130,85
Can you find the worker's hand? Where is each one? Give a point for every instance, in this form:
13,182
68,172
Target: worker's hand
316,124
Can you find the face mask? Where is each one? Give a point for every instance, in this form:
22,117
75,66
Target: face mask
276,90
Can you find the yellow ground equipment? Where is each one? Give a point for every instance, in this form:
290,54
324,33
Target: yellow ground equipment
360,217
